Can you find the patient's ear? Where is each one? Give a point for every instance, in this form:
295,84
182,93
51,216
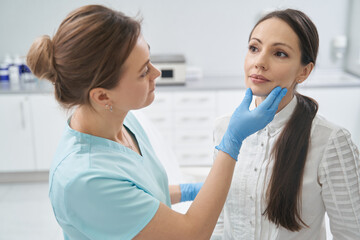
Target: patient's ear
304,72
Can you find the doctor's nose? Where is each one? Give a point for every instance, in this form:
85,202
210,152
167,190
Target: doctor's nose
155,72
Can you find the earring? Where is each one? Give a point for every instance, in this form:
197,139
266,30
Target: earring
109,107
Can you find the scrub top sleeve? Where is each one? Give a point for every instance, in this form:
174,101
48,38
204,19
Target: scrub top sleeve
108,208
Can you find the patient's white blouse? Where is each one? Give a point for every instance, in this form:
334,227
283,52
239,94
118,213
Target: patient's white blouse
331,183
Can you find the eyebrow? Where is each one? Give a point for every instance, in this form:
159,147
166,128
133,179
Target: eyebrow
275,44
146,63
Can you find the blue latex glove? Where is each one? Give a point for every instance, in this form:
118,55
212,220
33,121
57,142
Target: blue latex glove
189,191
244,122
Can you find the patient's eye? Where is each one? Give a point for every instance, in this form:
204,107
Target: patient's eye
253,48
281,54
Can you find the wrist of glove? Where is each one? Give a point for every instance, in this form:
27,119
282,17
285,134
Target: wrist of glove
189,191
230,145
244,122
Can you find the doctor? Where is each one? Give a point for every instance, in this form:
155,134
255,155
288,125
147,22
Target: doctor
106,181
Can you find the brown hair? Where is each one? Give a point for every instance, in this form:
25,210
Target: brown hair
290,151
87,51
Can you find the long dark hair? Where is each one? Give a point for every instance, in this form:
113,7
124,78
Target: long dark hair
88,51
290,151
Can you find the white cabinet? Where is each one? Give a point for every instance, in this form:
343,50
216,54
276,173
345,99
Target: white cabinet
160,114
194,114
185,119
30,131
32,124
16,136
49,121
228,101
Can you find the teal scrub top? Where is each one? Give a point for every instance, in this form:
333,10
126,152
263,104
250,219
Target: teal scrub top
100,189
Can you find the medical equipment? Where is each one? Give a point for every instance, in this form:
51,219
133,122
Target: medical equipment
172,69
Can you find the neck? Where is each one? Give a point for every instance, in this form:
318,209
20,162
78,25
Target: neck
101,123
284,102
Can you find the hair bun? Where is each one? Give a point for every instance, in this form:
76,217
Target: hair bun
40,59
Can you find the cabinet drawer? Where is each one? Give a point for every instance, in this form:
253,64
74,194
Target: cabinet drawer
195,100
194,119
194,138
166,136
194,158
162,101
160,120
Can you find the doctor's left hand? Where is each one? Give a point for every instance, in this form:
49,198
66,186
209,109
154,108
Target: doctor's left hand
189,191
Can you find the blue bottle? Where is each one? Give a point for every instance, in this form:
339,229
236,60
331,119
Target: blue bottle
4,76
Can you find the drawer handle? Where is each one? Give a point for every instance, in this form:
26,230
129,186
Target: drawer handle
202,137
187,137
158,119
194,100
197,119
194,155
203,118
23,123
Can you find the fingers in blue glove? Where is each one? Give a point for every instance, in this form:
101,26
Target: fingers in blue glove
273,98
278,99
244,122
247,99
189,191
270,105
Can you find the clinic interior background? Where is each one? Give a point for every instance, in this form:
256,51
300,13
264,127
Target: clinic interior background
213,37
212,34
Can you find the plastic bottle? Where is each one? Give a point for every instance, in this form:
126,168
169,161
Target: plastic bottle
14,72
4,75
26,76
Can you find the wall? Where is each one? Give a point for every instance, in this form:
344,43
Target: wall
211,33
353,53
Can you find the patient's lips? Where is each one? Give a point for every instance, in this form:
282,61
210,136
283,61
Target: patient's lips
258,79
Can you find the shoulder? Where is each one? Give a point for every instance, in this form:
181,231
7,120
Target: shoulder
327,130
97,187
220,126
221,123
117,204
94,181
336,140
81,167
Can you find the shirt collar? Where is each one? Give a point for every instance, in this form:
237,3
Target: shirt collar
281,118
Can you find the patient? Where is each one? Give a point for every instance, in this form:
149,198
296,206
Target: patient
300,165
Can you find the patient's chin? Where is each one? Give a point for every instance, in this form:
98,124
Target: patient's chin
260,93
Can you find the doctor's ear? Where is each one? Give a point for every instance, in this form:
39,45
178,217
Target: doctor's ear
99,96
305,72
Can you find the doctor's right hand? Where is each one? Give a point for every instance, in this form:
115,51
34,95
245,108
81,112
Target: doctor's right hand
244,122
